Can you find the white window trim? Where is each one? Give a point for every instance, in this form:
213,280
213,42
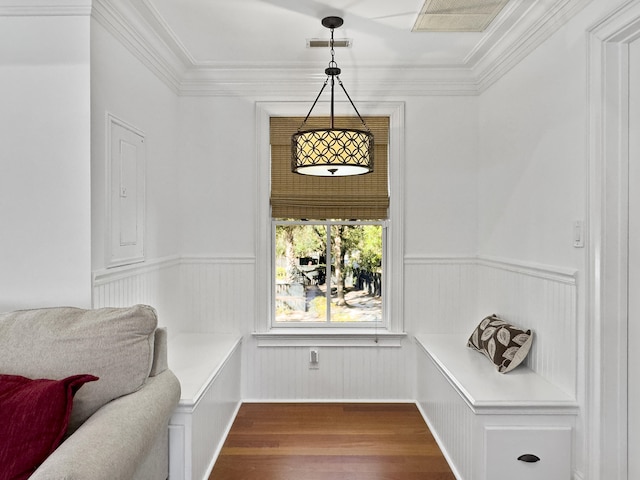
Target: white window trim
395,266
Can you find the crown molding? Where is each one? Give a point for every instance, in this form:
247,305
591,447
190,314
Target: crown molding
269,82
497,30
165,33
44,8
520,40
143,31
132,30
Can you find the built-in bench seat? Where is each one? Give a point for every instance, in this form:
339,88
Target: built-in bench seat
208,367
486,421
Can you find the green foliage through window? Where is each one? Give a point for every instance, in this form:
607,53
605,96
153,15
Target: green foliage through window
329,271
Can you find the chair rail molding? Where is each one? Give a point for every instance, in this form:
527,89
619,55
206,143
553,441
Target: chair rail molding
551,272
108,275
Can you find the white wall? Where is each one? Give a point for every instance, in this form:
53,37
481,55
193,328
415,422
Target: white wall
532,170
44,162
441,175
123,87
217,176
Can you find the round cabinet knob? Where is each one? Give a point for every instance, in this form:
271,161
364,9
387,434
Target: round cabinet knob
529,458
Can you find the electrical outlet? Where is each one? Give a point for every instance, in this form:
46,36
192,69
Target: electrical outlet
314,358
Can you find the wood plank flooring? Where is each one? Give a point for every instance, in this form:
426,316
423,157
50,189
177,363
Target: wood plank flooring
330,441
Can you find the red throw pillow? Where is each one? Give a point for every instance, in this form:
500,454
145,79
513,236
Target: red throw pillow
33,420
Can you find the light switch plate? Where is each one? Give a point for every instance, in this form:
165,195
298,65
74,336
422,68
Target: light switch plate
578,234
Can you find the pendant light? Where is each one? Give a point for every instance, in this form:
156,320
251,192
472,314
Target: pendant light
332,151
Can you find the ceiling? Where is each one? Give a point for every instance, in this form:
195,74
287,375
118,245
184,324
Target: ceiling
213,38
275,32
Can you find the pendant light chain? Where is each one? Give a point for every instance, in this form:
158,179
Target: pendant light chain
332,65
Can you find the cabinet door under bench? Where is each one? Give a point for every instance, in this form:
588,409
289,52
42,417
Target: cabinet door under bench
527,453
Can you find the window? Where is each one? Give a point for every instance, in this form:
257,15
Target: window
273,215
329,273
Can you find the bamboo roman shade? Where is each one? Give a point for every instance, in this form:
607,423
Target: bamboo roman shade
361,197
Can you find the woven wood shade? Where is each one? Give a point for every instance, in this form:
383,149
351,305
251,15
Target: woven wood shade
361,197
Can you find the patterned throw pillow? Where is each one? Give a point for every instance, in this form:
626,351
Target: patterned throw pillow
505,345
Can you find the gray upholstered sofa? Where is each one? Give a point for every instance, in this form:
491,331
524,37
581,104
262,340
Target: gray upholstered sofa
118,428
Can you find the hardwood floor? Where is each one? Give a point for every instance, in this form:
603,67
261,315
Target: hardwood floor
335,441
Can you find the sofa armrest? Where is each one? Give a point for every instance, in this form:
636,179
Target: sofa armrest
115,439
159,363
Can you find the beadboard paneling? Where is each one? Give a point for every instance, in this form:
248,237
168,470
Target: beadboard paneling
344,373
152,283
449,418
214,416
452,295
200,422
440,294
543,299
191,294
218,294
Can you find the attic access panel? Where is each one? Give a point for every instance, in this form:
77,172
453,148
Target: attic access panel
457,15
126,173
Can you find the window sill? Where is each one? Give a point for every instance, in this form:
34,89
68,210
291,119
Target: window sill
305,337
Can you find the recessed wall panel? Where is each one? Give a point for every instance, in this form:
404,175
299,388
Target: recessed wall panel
126,193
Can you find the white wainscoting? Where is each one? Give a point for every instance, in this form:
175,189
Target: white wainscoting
452,295
218,293
191,294
154,283
449,418
541,298
344,373
209,401
440,294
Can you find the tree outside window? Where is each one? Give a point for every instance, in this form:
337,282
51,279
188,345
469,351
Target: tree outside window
328,272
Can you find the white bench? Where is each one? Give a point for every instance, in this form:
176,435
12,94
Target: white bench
493,426
208,367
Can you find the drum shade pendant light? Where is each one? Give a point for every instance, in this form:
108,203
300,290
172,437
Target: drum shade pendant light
327,152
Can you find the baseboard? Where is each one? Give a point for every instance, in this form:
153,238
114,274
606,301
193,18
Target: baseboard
327,400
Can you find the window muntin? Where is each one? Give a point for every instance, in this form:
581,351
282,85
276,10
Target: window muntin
345,258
